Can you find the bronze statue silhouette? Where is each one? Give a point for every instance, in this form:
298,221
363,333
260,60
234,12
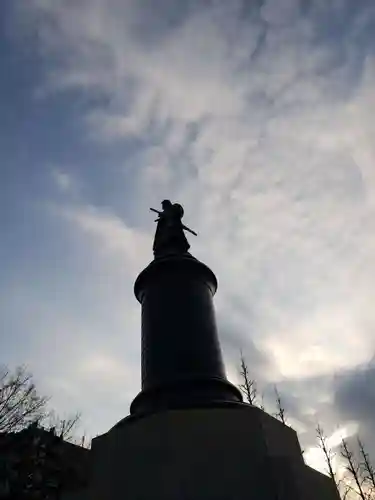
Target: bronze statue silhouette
170,237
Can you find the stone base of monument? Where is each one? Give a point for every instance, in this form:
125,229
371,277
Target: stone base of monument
221,453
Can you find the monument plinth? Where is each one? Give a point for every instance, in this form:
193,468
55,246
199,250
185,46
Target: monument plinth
189,436
182,364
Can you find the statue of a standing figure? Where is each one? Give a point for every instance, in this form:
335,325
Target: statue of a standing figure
170,237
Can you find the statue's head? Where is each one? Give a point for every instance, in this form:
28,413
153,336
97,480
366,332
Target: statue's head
166,204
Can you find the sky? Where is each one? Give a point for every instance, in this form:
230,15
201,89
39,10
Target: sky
258,118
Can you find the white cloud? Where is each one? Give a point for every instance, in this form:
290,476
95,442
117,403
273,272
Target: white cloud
63,180
114,236
314,456
264,135
104,369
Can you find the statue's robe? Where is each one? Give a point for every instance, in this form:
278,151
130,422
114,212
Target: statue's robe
170,237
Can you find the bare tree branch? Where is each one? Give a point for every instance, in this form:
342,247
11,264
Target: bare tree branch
329,455
354,469
64,428
280,414
261,404
366,466
248,386
20,404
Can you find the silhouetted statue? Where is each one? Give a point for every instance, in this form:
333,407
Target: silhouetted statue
170,237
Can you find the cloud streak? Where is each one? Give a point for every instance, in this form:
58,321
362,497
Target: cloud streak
258,120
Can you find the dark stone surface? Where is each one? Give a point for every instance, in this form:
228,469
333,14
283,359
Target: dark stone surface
182,363
233,453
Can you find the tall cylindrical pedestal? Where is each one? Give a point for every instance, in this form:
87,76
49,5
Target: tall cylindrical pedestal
182,363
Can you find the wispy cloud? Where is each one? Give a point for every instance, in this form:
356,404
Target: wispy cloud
315,456
63,180
259,120
113,235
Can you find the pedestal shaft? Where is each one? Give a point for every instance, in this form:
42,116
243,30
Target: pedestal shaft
181,357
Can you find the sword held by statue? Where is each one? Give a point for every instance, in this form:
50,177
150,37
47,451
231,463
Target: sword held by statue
183,225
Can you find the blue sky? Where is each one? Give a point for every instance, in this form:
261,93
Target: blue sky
258,118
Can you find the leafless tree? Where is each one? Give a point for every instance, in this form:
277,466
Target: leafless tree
248,386
329,457
24,418
354,470
261,404
64,427
20,403
367,468
280,414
